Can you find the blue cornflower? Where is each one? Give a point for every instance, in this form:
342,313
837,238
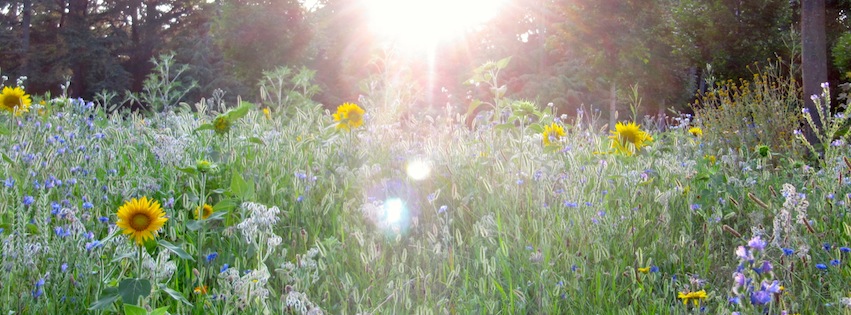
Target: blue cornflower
64,267
654,269
36,184
695,206
212,256
88,205
299,199
826,246
821,266
10,182
834,262
28,200
37,292
734,300
570,204
103,219
442,209
224,268
788,251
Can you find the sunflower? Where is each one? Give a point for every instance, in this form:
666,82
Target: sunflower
629,138
15,100
205,213
349,116
221,125
141,219
552,134
696,131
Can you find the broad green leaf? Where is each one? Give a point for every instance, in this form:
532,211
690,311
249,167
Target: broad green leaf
160,311
188,170
472,108
110,295
176,249
202,127
240,188
32,228
194,225
130,309
7,159
502,63
225,205
239,112
174,295
4,131
131,289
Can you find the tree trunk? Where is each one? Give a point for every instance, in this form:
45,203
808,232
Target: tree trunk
814,57
613,105
26,20
77,31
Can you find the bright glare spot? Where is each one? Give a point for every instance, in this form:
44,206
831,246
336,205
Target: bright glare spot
418,170
393,209
423,23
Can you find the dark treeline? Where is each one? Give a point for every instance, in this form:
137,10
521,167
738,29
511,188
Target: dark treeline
567,52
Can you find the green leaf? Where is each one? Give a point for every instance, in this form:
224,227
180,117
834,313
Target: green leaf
174,295
241,189
32,228
256,141
225,205
503,126
502,63
110,296
194,225
130,309
473,105
239,112
188,170
160,311
177,250
4,131
131,289
207,126
123,256
7,159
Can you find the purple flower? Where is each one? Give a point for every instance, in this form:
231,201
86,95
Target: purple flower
442,209
104,219
756,243
93,244
760,297
834,262
766,267
64,267
774,287
788,251
826,246
28,200
695,206
743,253
10,182
654,269
570,204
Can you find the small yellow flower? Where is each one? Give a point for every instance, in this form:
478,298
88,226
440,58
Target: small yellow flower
15,100
696,131
267,113
204,213
710,158
644,269
349,116
692,296
200,289
552,134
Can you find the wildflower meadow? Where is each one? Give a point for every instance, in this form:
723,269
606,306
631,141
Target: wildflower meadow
286,206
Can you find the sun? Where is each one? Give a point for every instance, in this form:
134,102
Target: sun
424,23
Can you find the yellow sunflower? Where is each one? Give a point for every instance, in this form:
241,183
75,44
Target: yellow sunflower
203,213
141,219
349,116
552,134
696,131
629,138
15,100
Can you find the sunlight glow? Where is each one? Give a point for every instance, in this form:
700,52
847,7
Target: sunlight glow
393,209
423,23
418,169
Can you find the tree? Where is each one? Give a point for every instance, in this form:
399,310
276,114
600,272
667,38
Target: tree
814,55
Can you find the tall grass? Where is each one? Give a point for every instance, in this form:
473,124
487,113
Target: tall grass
500,225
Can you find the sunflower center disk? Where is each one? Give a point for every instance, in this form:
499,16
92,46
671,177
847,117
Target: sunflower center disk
140,222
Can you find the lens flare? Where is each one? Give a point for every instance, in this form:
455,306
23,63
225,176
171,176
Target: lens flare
418,169
393,210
